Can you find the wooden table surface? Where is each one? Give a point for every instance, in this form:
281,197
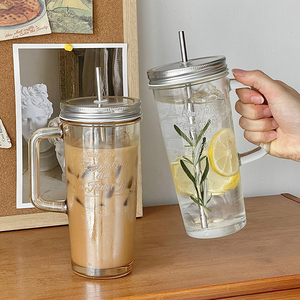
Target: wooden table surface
264,257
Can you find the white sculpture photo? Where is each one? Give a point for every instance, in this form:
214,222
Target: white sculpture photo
36,111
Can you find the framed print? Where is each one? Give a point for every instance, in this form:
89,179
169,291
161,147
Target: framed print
45,74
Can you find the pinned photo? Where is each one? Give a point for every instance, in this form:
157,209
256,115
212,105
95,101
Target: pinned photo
4,138
23,18
70,16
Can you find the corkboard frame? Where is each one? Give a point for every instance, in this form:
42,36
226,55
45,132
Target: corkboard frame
114,22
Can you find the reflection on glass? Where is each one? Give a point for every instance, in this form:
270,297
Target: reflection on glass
77,72
59,148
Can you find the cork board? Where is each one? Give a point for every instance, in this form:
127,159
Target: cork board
114,22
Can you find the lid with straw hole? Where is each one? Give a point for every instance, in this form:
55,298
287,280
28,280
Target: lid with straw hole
101,109
187,71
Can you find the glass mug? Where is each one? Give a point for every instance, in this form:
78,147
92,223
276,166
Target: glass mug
101,158
196,122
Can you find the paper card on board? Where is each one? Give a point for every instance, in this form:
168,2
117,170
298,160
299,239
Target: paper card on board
4,138
70,16
23,18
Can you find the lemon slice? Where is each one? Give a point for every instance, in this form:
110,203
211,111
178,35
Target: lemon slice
217,184
183,184
222,153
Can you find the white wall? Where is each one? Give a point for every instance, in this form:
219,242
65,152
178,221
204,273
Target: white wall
256,34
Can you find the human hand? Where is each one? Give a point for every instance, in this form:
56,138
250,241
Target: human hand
270,112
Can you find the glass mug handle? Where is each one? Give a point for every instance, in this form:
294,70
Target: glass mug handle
255,153
34,173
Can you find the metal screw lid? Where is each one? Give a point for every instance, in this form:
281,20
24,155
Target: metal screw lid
113,109
194,70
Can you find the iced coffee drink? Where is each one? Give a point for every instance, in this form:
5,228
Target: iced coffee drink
101,138
101,199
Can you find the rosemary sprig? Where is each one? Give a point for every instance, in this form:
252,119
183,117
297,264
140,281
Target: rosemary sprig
197,176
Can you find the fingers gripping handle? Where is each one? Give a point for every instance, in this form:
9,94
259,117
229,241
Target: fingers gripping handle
34,173
255,153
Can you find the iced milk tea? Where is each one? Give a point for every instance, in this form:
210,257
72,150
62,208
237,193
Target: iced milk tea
101,197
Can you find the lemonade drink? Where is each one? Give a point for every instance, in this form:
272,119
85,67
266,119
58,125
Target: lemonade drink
224,210
192,97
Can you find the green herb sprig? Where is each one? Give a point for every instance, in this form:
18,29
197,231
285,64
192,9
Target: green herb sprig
197,176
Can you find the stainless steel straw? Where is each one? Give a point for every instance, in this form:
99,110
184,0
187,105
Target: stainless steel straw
99,87
189,107
99,101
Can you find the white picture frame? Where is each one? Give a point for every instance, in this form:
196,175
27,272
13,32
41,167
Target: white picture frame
43,75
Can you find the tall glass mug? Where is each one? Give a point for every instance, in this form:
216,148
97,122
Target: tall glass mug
196,123
101,154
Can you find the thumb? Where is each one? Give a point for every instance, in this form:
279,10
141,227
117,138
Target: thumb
259,81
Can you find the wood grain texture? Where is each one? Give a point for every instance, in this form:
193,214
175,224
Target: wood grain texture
291,197
28,221
292,294
130,37
261,258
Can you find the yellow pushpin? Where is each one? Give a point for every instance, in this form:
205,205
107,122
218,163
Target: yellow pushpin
68,47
